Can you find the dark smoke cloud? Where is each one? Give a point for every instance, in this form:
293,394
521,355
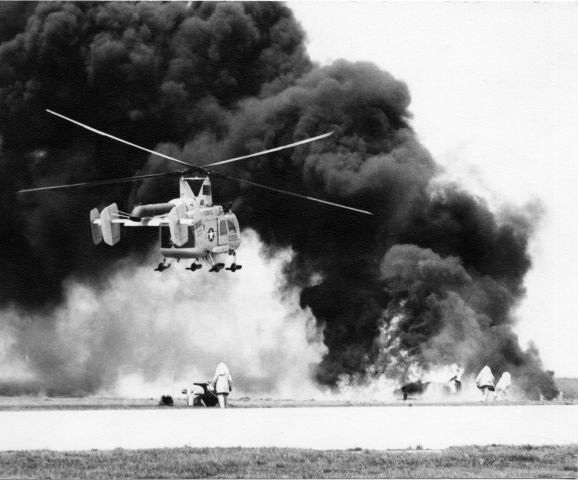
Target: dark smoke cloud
375,162
435,269
446,314
13,17
149,72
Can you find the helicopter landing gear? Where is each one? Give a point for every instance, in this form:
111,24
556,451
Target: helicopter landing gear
215,266
194,266
161,267
234,267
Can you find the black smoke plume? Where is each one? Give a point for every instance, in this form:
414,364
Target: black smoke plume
433,273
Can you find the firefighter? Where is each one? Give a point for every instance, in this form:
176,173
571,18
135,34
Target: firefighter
503,385
456,380
222,384
194,394
485,382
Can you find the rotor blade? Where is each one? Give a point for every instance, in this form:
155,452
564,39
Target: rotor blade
100,182
226,177
119,139
264,152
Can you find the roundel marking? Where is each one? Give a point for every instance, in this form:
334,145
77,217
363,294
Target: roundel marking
211,235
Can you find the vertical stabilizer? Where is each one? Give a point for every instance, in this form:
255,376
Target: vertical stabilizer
95,227
179,232
110,230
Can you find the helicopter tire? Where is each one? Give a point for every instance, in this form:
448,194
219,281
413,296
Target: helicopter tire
161,267
217,267
234,267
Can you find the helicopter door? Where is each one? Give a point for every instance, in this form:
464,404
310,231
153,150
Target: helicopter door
223,232
232,230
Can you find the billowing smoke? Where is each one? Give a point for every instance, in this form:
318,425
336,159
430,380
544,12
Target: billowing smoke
140,331
430,280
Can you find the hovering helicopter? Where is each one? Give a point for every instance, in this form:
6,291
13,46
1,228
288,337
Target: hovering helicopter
190,227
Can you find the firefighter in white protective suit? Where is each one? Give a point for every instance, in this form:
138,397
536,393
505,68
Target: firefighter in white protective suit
222,384
193,392
503,385
485,382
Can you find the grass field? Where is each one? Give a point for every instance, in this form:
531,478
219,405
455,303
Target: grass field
460,462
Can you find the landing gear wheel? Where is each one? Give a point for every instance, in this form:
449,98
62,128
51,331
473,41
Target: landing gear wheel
234,267
194,266
161,267
217,267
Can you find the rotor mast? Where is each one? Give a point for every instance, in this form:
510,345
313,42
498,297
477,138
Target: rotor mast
204,198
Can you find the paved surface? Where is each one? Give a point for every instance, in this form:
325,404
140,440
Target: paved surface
317,428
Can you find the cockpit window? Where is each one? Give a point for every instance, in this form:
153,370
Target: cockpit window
206,189
231,224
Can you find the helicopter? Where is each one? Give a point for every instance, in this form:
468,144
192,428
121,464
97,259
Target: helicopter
191,226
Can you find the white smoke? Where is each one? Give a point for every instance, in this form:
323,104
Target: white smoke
11,367
145,333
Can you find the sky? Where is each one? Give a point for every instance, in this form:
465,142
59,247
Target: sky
494,91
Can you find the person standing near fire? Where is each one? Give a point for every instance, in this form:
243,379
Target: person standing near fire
456,380
222,384
503,385
485,382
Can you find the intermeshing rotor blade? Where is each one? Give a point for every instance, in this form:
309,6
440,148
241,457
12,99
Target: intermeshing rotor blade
101,182
227,177
198,169
264,152
158,154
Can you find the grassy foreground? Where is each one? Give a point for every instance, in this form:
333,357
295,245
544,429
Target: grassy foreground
457,462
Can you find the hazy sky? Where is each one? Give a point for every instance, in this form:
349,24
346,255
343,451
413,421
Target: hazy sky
495,99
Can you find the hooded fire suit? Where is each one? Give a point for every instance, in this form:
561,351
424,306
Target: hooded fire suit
485,382
222,383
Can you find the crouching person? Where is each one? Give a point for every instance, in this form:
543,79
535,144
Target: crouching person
194,395
222,384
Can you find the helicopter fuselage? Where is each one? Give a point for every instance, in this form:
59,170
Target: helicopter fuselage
212,232
189,227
